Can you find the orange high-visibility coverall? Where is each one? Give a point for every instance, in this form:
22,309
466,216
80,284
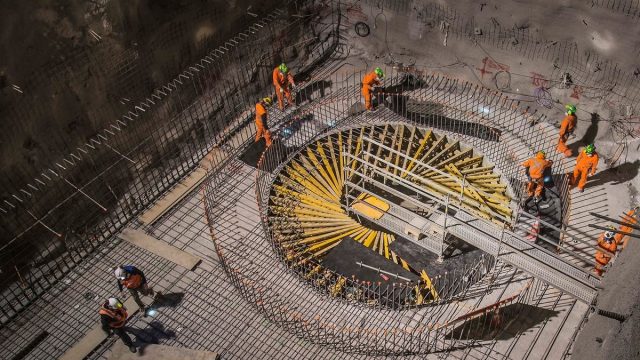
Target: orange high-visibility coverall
261,124
283,84
603,258
567,126
536,172
585,164
368,82
628,218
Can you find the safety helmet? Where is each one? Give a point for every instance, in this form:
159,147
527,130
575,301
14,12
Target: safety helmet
590,149
283,68
541,155
379,72
267,101
115,303
121,273
608,235
571,109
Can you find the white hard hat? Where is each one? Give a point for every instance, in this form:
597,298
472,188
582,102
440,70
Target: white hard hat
114,303
120,273
608,234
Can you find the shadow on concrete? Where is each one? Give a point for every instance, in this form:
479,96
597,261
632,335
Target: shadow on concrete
589,136
504,324
616,175
153,333
168,300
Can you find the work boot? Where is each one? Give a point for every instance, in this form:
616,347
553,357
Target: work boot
133,349
143,310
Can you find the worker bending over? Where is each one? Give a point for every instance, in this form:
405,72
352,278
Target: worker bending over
586,165
130,277
535,168
370,80
261,120
567,126
606,246
283,81
113,316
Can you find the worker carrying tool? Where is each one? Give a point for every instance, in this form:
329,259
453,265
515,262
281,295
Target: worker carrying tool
606,242
370,80
113,316
133,279
535,168
586,165
567,126
262,128
283,81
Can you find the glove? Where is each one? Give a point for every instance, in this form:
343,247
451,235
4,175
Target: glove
281,90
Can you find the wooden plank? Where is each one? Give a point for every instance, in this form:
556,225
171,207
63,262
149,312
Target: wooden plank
94,337
160,248
160,352
174,196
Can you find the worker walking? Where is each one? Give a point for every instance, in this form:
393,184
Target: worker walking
370,80
535,168
283,81
586,165
606,248
132,278
262,128
113,316
567,126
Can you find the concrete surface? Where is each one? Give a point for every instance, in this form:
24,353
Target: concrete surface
160,352
160,248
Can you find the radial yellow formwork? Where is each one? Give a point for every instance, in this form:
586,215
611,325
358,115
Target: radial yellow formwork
308,217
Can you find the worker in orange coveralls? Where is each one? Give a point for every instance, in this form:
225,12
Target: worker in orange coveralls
567,127
283,81
262,129
535,173
370,80
586,165
628,218
606,242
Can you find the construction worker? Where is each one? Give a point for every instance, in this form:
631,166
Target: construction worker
261,120
567,126
132,278
628,218
113,316
283,81
586,165
606,242
370,80
535,168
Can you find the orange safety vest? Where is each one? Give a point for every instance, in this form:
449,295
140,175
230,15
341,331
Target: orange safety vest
536,167
602,257
587,163
119,316
568,125
132,282
370,79
260,114
279,79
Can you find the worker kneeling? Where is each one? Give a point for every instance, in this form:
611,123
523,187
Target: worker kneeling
113,316
370,80
282,82
133,279
535,168
606,248
262,129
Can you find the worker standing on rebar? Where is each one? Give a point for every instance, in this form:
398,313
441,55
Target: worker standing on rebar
535,168
283,81
113,316
132,278
606,248
370,80
262,129
567,126
586,165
